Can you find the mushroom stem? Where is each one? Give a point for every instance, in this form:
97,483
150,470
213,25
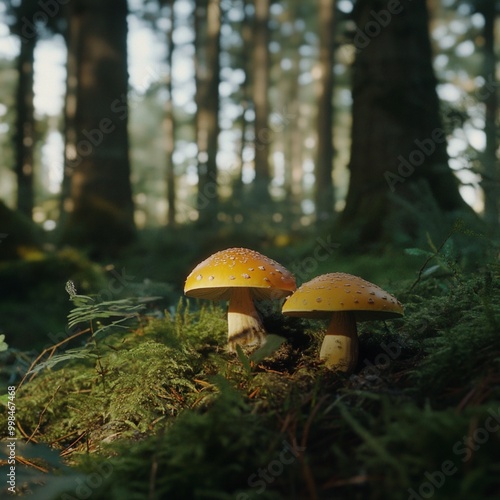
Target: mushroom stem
244,324
340,345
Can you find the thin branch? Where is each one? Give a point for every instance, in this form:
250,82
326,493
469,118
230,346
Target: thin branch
51,349
42,414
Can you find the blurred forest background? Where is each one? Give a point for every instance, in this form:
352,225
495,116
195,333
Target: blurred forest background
159,131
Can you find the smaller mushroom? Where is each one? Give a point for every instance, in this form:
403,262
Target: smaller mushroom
345,299
240,275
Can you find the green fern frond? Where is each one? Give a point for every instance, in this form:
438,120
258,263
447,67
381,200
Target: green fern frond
69,355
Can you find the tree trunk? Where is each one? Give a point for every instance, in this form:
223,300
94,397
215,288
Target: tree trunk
260,85
324,198
243,124
25,128
491,177
72,35
169,126
207,28
101,208
293,130
397,135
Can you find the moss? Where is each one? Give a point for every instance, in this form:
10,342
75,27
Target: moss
458,335
138,396
171,413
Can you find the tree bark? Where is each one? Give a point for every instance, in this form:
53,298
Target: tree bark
207,27
293,147
243,123
169,125
491,176
397,135
324,197
260,86
25,128
70,101
100,210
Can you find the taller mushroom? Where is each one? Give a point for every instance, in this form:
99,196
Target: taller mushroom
241,276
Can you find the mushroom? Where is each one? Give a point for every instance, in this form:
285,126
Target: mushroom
345,299
240,275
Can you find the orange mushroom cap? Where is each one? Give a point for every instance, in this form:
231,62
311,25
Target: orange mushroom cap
342,292
239,267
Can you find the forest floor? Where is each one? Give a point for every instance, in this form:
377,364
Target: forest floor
147,403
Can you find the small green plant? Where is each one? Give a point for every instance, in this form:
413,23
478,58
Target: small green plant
270,346
99,317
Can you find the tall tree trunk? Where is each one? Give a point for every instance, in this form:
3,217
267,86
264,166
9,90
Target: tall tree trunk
397,139
70,101
246,35
293,130
491,178
260,85
296,145
101,208
324,157
25,127
207,27
169,125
